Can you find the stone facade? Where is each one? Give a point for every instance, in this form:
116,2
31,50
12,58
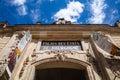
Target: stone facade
94,49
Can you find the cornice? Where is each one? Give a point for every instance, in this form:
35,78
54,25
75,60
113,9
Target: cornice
50,27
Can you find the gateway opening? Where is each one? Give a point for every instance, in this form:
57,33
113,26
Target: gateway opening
61,74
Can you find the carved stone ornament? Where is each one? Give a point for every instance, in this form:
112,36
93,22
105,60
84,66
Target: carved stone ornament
72,52
60,56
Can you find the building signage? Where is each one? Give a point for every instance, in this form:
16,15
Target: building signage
61,45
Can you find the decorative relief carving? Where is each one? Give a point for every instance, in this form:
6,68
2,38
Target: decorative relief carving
115,67
59,55
3,63
25,65
72,52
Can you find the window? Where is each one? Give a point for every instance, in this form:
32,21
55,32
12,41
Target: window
61,45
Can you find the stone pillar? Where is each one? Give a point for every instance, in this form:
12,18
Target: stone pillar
90,73
38,46
30,73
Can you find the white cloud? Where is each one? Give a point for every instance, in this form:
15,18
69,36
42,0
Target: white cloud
71,13
22,10
19,2
113,16
115,11
35,14
97,8
38,2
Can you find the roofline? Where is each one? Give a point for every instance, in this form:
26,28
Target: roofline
61,24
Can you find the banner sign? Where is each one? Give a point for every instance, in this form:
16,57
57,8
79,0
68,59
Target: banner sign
95,36
115,50
13,56
12,61
104,44
18,51
23,42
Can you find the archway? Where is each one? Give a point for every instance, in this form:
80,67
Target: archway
61,74
70,69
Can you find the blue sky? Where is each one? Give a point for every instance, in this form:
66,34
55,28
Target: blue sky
47,11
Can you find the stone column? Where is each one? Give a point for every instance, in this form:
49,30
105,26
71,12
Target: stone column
30,73
90,73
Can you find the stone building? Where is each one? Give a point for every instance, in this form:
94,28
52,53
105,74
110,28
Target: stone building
59,51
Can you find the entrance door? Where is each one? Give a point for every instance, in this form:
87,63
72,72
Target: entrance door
60,74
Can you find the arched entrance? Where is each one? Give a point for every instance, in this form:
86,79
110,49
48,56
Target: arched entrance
60,74
69,69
